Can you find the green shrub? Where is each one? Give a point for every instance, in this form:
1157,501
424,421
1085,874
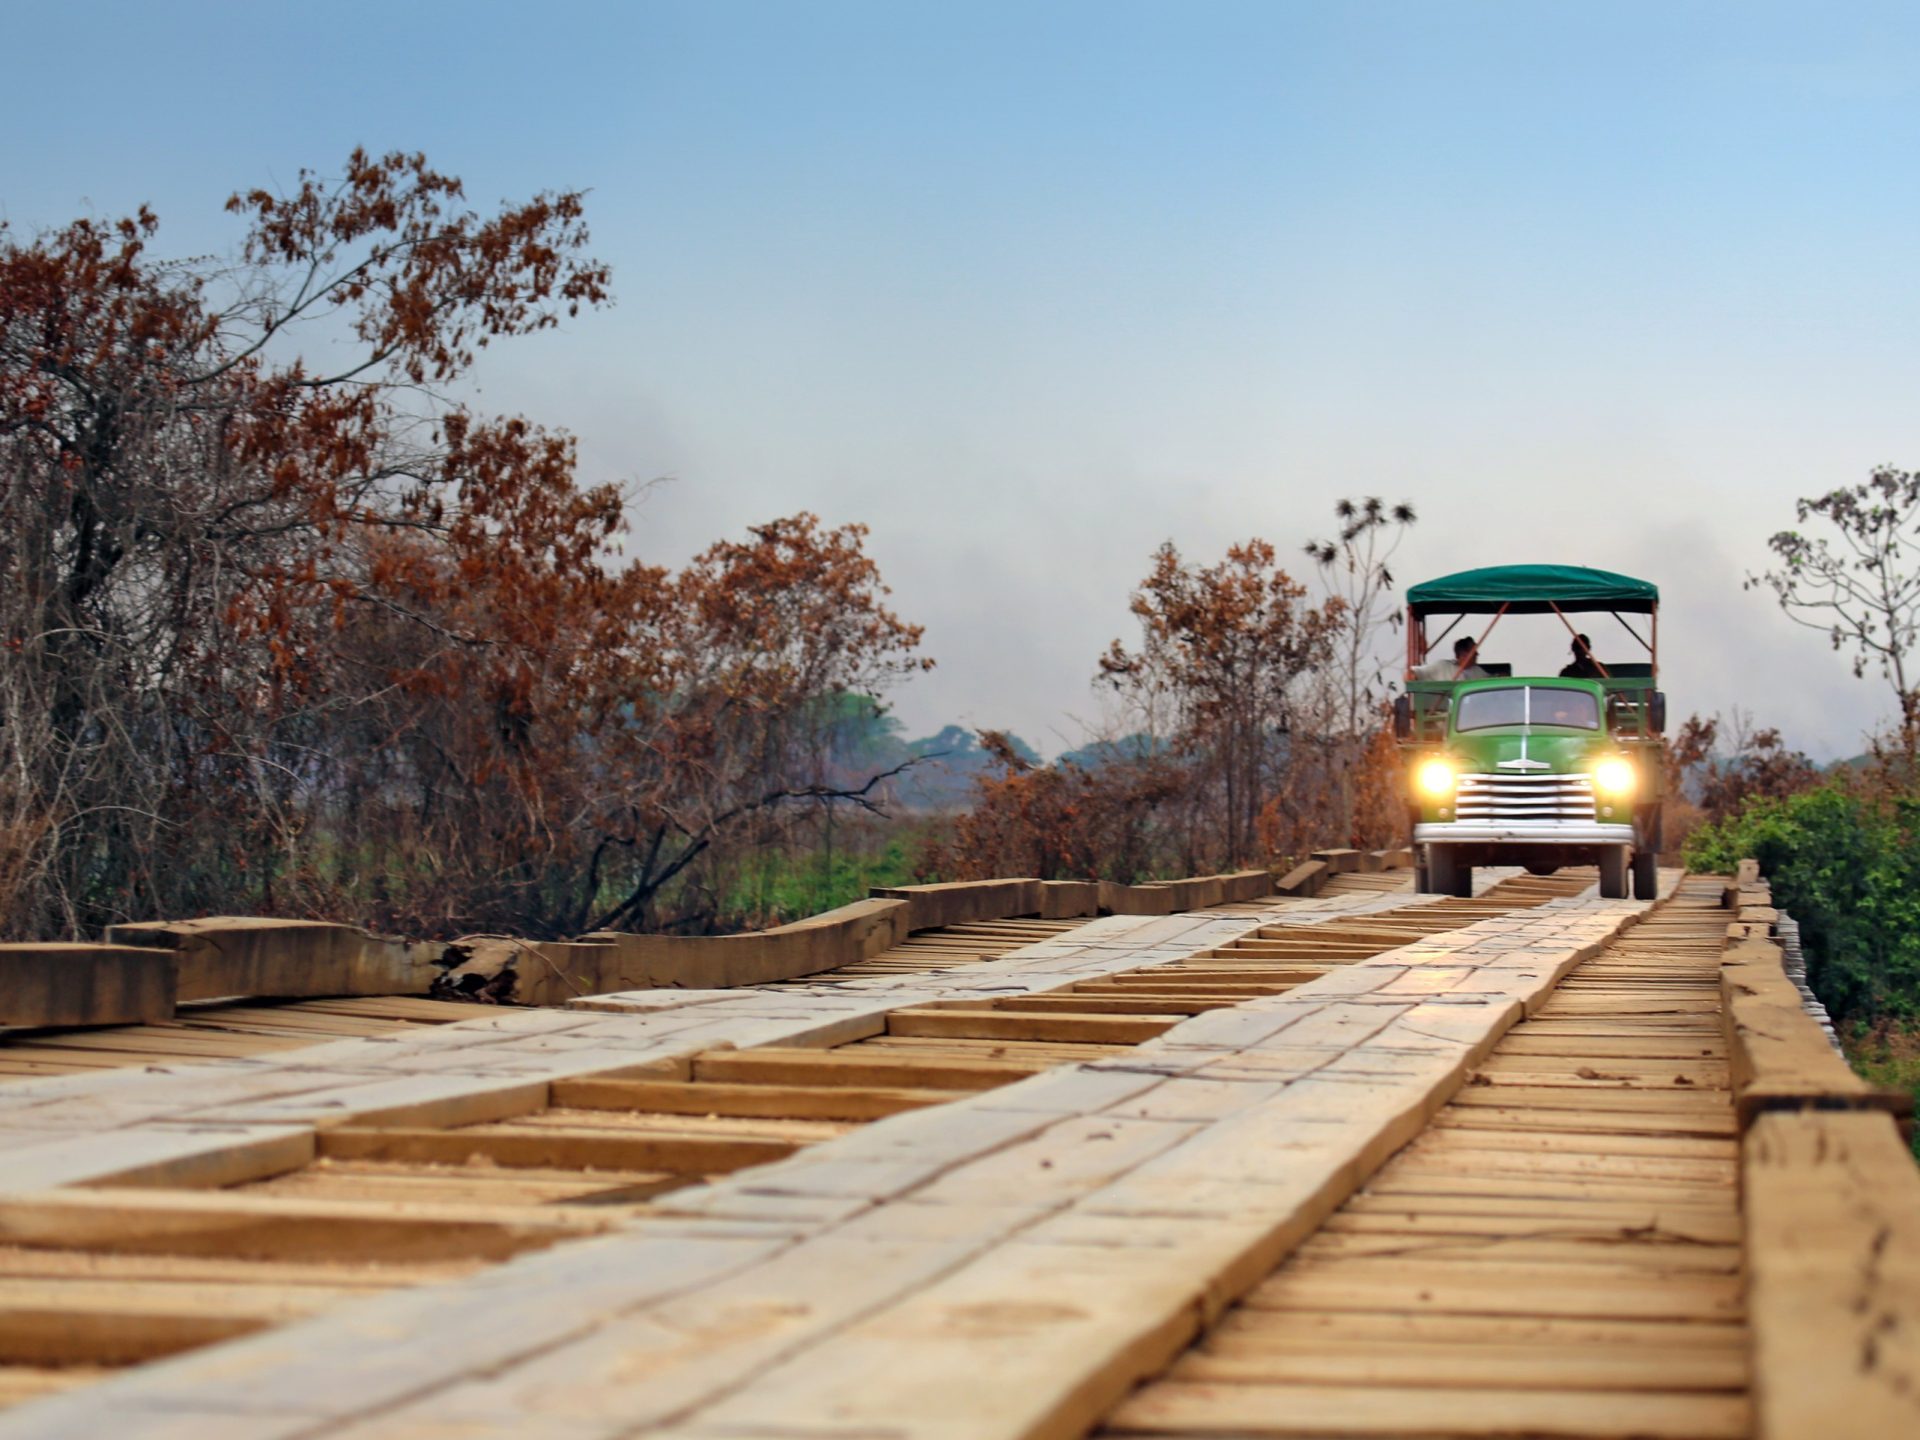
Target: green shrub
774,887
1846,865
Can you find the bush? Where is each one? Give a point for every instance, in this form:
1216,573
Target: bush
1846,864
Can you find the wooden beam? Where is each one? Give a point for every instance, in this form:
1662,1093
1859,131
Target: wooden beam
1304,879
555,1148
62,984
1833,1272
1014,1025
768,1065
781,1102
160,1222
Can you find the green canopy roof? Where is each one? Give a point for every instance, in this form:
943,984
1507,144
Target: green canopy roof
1532,589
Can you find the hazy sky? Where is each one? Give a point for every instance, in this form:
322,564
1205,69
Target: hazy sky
1030,288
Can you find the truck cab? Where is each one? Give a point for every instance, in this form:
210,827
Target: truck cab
1541,771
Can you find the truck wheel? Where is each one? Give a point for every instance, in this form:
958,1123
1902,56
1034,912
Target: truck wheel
1646,875
1445,875
1613,873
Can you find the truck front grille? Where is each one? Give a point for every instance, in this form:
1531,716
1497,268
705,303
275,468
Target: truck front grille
1520,799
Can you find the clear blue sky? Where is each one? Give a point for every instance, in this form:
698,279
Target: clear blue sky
1031,288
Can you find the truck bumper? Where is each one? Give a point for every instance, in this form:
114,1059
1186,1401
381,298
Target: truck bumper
1495,833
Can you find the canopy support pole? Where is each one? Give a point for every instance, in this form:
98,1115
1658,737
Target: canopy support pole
1473,655
1631,631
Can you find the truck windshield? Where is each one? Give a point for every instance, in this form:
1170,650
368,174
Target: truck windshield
1528,705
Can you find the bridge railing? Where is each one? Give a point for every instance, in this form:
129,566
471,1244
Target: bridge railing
145,970
1831,1198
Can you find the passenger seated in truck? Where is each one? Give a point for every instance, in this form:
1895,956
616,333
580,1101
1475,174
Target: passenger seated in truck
1583,666
1451,669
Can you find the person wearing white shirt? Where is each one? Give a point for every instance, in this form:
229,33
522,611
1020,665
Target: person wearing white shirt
1451,669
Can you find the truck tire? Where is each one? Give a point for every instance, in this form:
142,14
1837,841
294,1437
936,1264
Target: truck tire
1613,873
1445,875
1646,875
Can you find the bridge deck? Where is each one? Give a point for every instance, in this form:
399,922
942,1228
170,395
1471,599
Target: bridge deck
1559,1254
1293,1165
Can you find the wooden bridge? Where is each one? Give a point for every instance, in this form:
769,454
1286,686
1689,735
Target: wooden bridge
1344,1161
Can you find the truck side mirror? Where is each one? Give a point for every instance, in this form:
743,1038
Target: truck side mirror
1402,717
1657,712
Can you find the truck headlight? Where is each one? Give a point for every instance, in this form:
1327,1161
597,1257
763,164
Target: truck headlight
1434,778
1615,778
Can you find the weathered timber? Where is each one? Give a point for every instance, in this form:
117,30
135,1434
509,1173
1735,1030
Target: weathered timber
224,956
158,1222
1118,899
961,902
72,984
1069,899
1340,861
1833,1276
552,973
1779,1057
1304,879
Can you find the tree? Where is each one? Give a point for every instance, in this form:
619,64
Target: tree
757,649
1355,569
1222,648
1061,821
201,541
1724,765
1862,588
326,640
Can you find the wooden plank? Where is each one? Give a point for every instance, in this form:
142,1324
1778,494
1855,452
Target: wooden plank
1150,1003
1381,1410
21,1383
1243,1358
1661,1100
1773,1040
1621,1121
1472,1287
465,1184
1595,1248
1386,1330
1307,878
61,1334
1416,1185
847,1102
165,1223
1039,1319
251,955
566,1149
1012,1025
343,1274
181,1157
1833,1254
81,984
958,902
661,1122
770,1066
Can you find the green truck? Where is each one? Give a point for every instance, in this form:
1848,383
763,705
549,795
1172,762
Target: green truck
1537,771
